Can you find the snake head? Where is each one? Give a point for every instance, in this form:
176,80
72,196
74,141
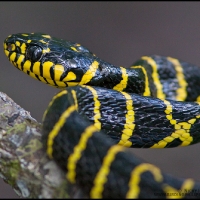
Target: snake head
57,62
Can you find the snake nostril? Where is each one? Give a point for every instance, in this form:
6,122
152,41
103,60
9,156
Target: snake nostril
11,47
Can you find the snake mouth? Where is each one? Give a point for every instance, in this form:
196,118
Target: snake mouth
54,83
49,75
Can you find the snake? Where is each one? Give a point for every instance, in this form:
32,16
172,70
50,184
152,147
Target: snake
101,110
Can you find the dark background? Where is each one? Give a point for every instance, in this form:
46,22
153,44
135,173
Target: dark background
117,32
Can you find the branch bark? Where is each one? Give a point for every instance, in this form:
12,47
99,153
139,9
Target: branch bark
23,161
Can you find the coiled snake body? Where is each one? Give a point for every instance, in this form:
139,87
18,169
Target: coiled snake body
87,126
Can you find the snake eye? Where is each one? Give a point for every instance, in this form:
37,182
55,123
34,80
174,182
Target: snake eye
34,53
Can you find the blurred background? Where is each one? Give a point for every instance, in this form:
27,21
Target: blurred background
117,32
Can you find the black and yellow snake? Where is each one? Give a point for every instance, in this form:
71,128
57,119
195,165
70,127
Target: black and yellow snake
87,126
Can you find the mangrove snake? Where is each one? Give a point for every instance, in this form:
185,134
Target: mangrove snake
87,126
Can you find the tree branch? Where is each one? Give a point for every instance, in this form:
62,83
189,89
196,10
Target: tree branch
23,161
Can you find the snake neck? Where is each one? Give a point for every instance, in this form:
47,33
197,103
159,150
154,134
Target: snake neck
118,78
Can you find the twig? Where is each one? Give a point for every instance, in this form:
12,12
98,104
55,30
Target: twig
23,161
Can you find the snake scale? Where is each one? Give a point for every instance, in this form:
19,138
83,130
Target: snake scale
102,109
